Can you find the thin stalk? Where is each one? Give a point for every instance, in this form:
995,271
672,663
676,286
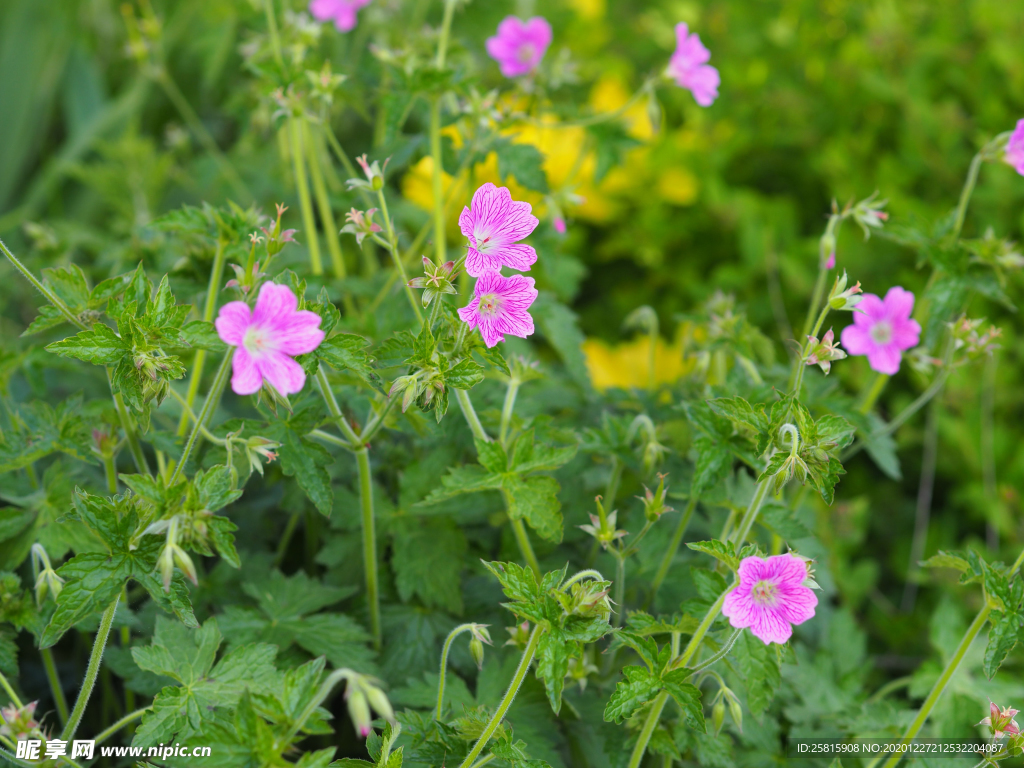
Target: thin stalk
673,547
892,685
484,761
440,236
507,409
126,641
275,38
506,702
10,691
926,485
128,719
209,406
392,246
871,393
134,446
442,40
327,437
335,410
800,364
302,187
965,194
346,162
722,652
760,494
620,588
819,285
111,473
55,687
444,665
286,537
369,543
325,689
376,422
462,396
323,204
611,489
947,674
988,448
91,671
523,540
209,308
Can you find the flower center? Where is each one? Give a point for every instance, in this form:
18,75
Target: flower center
525,53
490,304
881,332
763,593
483,242
256,341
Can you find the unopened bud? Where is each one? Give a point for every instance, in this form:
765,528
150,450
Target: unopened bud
378,701
476,650
737,712
184,562
718,715
359,710
841,297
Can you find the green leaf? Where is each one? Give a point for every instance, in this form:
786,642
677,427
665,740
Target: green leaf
558,325
724,552
101,346
347,352
307,462
639,687
428,561
687,696
552,660
213,488
714,461
202,335
535,499
782,521
760,667
93,581
465,374
524,162
1006,629
739,411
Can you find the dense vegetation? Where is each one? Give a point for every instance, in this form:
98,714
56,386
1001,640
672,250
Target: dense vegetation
352,555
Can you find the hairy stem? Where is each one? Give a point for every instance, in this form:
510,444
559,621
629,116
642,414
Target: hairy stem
444,666
437,187
673,546
523,540
506,702
620,588
209,406
91,671
507,409
871,393
392,246
369,543
819,285
462,396
302,187
760,494
128,719
55,687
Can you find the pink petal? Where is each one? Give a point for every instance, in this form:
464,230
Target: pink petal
857,340
519,256
769,627
869,311
245,376
538,32
885,359
796,604
470,314
232,322
274,302
785,569
480,264
286,375
703,82
899,303
906,334
739,607
298,334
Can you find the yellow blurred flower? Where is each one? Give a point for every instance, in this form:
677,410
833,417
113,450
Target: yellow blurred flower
588,9
627,365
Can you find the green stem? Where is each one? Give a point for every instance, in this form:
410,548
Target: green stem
484,761
965,194
325,689
673,547
506,702
286,537
462,396
507,409
209,308
10,691
323,203
209,406
523,540
722,652
611,490
620,588
131,717
55,687
392,246
446,26
134,446
947,674
819,285
801,362
369,543
376,422
444,666
91,671
335,410
302,186
440,237
871,394
111,473
275,38
760,494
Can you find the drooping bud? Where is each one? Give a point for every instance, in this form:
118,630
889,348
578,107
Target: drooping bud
47,580
359,710
841,297
378,700
718,715
479,636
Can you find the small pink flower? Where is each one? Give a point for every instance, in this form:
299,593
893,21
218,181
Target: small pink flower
341,12
265,339
883,330
500,307
689,67
519,45
1015,148
559,225
493,225
1001,722
831,263
770,597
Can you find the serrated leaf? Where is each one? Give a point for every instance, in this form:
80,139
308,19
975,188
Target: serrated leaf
639,687
347,352
1006,630
307,462
100,346
535,499
760,667
524,162
202,335
428,562
725,552
687,696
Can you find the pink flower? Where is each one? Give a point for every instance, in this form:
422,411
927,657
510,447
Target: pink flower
493,224
559,225
689,67
265,337
500,307
1001,722
1015,148
831,263
519,46
341,12
770,597
883,330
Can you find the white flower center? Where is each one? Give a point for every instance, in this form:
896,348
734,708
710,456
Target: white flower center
483,241
763,593
490,304
525,53
881,332
256,341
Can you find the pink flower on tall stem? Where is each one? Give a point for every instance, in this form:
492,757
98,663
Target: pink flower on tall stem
493,224
690,69
266,337
500,307
1015,148
770,597
519,45
883,330
341,12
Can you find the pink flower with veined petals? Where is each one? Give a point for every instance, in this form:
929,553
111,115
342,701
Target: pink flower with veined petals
500,307
519,45
1001,722
770,597
493,224
266,337
689,67
1014,154
341,12
883,330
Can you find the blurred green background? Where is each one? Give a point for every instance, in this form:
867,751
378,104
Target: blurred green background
819,100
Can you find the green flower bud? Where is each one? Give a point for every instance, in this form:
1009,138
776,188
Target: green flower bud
718,715
359,710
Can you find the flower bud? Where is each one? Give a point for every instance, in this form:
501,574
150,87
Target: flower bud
18,724
378,700
1001,722
359,710
476,650
736,711
184,562
841,297
520,635
823,353
718,715
654,503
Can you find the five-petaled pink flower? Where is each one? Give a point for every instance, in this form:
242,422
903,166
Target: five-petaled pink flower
493,224
883,330
770,597
266,337
341,12
500,307
690,69
1001,722
519,45
1015,148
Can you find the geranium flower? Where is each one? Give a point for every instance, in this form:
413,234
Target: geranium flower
1001,722
493,224
266,337
341,12
689,68
519,45
1015,148
883,330
500,307
771,597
